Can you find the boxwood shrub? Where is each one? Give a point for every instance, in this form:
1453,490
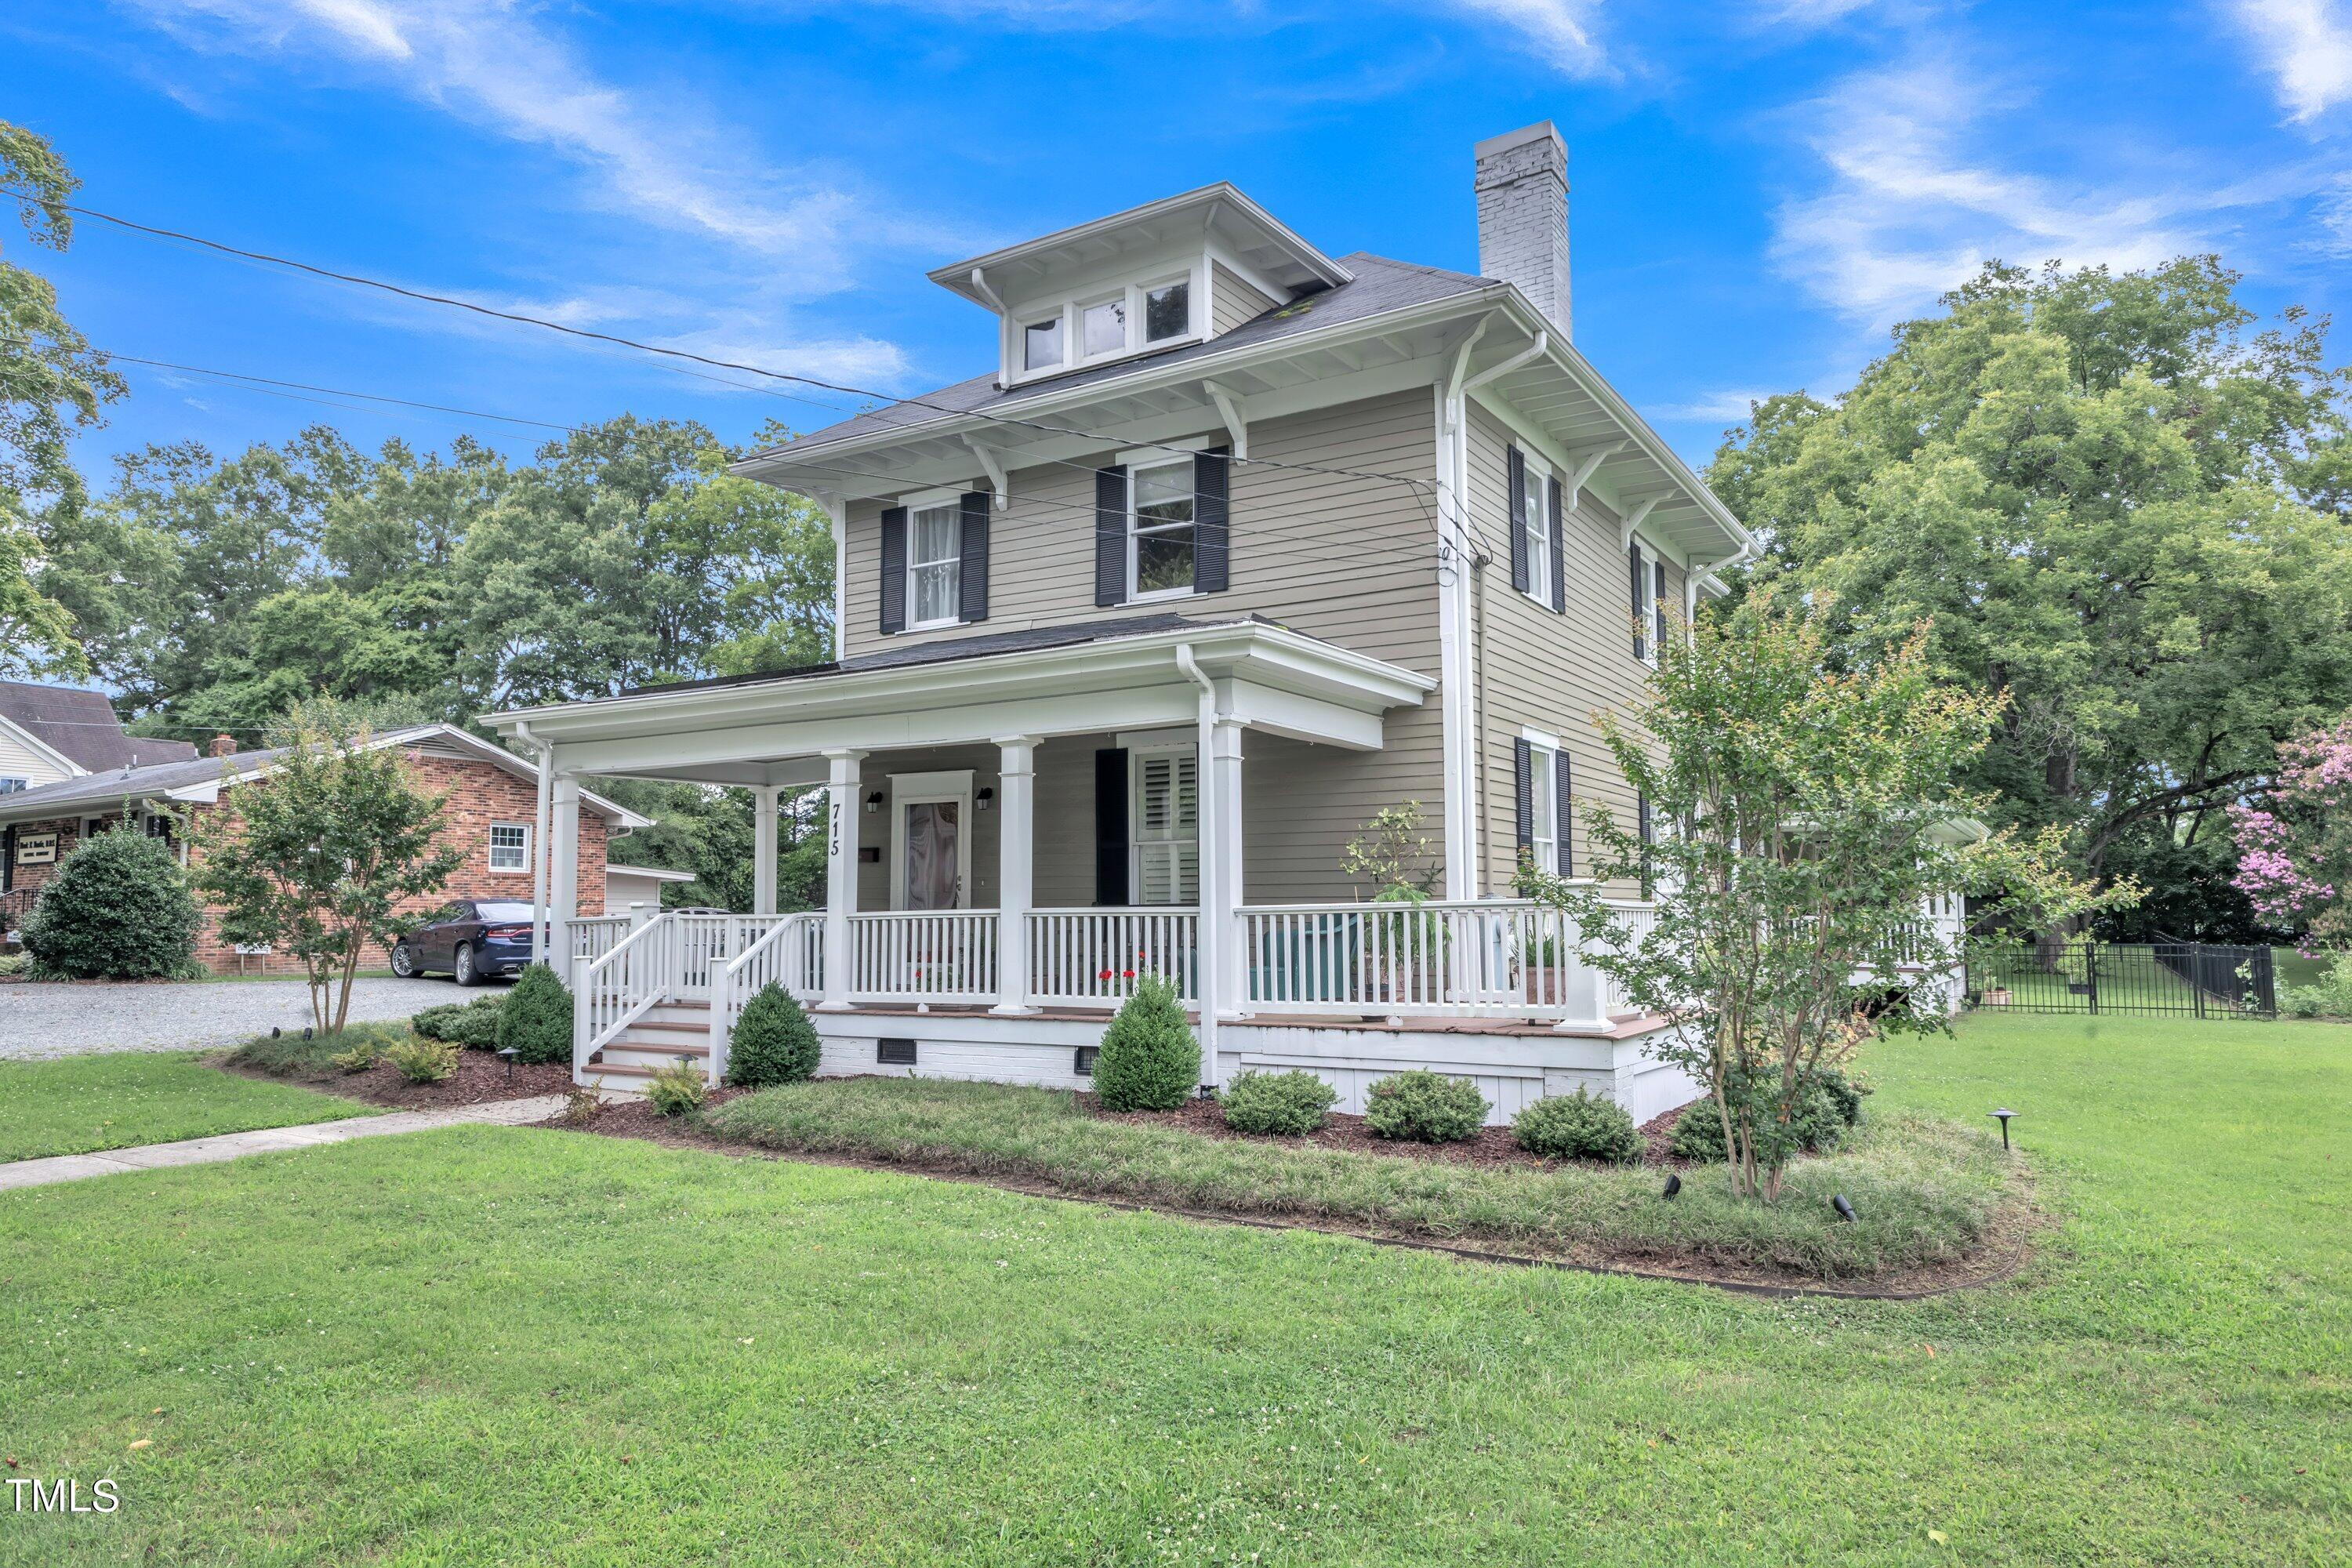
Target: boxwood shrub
1580,1126
1149,1060
1426,1107
536,1017
474,1024
773,1041
117,909
1291,1104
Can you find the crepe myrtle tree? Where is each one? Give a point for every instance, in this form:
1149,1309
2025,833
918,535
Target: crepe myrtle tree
1801,816
317,858
2294,847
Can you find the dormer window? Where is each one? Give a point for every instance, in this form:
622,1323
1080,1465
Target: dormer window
1102,327
1168,310
1040,343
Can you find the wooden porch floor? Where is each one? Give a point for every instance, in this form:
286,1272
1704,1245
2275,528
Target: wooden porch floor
1620,1027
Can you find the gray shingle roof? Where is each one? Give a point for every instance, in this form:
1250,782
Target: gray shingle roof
1021,640
1380,286
105,791
81,725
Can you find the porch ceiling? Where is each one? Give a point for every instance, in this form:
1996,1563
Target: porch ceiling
776,730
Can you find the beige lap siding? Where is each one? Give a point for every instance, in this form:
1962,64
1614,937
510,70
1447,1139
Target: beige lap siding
1347,559
1551,672
478,794
1236,301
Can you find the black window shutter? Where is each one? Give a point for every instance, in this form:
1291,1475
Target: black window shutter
1517,477
1523,758
1649,836
1564,814
1211,514
7,861
1658,598
973,575
1110,827
1558,587
1641,640
894,569
1110,536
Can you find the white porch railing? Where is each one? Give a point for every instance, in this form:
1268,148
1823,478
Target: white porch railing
594,938
1092,958
930,955
611,992
789,951
1489,958
1641,918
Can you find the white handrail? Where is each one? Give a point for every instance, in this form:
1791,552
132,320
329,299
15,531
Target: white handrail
780,955
617,989
1487,957
1092,957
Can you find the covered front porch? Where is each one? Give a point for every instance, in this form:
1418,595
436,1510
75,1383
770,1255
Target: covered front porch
1018,834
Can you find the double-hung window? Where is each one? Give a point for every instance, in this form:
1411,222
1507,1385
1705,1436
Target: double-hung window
1543,780
1648,615
1040,343
1102,328
1167,825
1537,512
934,566
510,847
1167,309
1159,517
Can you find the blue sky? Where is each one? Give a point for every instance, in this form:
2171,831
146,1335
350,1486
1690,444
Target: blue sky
1761,187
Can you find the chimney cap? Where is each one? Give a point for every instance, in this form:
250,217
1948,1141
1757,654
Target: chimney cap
1494,145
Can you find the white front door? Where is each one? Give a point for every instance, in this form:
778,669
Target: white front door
930,841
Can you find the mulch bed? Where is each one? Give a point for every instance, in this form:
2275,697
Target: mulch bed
479,1079
1491,1146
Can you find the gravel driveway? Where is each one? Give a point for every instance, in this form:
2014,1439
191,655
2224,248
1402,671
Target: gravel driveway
69,1020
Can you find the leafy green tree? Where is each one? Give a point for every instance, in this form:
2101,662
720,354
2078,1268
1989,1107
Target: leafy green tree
52,383
319,857
1806,816
2117,505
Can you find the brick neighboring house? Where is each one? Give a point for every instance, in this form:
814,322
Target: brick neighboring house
492,802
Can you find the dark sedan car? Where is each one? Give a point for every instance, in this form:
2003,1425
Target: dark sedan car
469,940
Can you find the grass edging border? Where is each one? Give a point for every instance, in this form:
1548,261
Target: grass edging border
2006,1252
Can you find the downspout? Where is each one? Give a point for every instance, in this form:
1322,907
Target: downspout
540,916
1210,946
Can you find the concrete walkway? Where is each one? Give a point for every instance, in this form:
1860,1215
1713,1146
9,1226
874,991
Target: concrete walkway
236,1145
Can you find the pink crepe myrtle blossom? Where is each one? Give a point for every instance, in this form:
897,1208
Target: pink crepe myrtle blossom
2294,851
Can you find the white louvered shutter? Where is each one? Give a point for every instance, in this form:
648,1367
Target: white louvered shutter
1167,827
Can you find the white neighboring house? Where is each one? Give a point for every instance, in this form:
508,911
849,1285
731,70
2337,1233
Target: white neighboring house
637,887
1234,544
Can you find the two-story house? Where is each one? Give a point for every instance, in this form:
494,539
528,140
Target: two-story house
1235,545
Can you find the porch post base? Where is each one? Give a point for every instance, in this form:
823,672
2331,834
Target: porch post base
1004,1011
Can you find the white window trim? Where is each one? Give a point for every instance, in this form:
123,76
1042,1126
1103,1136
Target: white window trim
1543,780
1135,556
934,500
1538,523
1170,746
490,851
1648,612
1070,311
930,789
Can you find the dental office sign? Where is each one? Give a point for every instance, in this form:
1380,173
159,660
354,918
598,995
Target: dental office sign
37,848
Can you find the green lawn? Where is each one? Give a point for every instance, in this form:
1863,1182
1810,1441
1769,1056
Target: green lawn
519,1346
79,1105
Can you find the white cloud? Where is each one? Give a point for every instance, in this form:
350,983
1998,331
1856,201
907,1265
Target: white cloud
1916,202
1563,30
2307,45
1724,407
493,64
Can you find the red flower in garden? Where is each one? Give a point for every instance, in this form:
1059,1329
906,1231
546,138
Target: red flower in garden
1127,973
1104,975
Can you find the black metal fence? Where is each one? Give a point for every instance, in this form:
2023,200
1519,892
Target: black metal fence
2161,979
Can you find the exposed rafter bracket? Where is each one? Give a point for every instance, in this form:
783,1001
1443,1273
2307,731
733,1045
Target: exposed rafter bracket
1494,371
1587,461
1229,409
990,460
1633,518
980,285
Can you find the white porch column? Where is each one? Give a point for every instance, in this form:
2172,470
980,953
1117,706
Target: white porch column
840,873
763,850
542,932
1016,806
1224,801
563,895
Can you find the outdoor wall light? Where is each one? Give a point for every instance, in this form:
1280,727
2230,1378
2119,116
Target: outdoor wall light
2002,1116
984,799
508,1056
874,803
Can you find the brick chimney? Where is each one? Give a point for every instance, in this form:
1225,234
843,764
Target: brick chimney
224,745
1522,184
